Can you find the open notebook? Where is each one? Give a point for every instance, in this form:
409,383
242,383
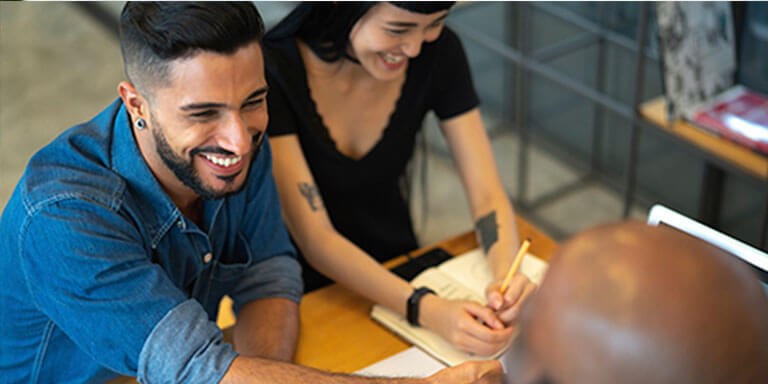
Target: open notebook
463,277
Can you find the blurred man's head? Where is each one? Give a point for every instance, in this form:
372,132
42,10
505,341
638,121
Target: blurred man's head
196,81
630,303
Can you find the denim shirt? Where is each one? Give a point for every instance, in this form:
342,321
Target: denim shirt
101,274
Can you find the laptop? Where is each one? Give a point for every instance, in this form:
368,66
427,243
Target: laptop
753,257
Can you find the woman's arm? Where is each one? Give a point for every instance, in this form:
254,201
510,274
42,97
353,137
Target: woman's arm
326,249
341,260
491,210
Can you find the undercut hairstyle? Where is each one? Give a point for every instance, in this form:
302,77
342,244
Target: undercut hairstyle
152,34
325,26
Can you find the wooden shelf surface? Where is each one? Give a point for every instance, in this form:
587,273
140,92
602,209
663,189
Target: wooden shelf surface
739,156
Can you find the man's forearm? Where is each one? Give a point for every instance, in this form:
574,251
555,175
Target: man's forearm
256,370
267,328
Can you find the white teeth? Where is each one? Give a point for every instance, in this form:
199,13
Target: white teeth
223,162
392,59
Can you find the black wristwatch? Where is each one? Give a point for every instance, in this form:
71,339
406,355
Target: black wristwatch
412,309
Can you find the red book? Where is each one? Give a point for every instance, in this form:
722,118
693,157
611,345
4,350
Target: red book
737,114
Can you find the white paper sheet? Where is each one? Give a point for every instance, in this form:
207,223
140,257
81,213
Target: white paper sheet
412,362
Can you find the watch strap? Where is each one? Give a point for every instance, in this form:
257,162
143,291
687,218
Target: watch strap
412,308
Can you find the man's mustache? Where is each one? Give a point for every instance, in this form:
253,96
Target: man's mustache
222,151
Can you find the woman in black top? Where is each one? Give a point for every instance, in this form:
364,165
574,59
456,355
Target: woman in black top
349,88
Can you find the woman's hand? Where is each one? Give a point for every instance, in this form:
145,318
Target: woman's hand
459,321
507,306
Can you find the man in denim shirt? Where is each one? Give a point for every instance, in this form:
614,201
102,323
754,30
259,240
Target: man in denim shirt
126,231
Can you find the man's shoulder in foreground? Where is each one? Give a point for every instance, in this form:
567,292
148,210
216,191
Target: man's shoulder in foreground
77,164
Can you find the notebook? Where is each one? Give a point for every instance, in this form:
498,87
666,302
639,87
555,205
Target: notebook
463,277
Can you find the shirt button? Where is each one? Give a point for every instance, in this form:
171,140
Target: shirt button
207,258
180,224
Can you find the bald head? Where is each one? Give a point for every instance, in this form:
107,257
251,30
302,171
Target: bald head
631,303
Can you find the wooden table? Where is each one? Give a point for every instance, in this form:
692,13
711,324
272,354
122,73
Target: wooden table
337,333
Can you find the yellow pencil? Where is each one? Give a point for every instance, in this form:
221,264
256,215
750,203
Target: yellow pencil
516,264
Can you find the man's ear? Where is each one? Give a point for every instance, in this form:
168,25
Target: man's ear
135,102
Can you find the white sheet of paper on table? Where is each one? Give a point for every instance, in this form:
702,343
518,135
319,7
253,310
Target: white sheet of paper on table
412,362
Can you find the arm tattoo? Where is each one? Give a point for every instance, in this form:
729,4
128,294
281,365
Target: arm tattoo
311,193
487,230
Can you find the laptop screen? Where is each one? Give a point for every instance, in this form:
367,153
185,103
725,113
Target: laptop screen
756,259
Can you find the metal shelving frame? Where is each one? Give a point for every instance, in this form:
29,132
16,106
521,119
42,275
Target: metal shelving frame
534,62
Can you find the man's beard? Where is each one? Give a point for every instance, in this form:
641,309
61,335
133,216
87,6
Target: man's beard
185,170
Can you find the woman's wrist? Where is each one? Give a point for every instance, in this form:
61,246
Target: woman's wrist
413,305
429,307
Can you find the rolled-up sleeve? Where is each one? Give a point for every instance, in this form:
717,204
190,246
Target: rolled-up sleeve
185,347
278,276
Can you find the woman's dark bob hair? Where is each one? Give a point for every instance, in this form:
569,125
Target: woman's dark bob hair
325,26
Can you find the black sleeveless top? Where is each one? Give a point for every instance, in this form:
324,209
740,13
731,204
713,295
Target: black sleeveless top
362,196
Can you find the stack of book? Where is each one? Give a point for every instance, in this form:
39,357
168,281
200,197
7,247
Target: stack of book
697,46
737,114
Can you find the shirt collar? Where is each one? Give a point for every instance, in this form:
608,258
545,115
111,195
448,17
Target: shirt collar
157,209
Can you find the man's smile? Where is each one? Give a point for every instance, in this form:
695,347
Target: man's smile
222,164
223,161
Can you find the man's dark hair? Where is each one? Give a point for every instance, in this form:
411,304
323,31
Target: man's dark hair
325,27
154,33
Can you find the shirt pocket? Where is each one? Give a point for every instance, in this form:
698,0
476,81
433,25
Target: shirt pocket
240,259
